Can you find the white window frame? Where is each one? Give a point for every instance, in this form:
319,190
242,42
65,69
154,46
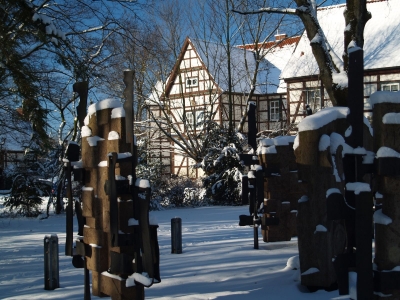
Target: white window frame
192,82
200,116
274,110
189,118
313,99
390,87
195,119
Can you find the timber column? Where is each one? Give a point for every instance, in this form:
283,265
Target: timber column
120,246
387,214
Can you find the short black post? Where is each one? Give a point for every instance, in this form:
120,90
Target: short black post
51,266
176,235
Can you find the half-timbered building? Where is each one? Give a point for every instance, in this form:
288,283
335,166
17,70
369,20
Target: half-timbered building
199,86
381,59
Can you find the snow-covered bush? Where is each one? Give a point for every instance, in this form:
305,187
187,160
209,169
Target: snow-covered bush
196,197
25,197
29,185
179,191
223,168
149,166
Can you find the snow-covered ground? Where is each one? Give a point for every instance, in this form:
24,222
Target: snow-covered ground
218,260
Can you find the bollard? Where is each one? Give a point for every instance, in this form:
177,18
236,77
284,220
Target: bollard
176,235
51,268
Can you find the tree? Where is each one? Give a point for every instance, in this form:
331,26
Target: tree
230,67
47,46
331,67
222,167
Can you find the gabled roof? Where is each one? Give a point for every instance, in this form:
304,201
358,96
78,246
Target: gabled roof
381,39
276,55
215,59
243,63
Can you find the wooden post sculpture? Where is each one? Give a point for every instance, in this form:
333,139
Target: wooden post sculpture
318,150
333,160
119,246
282,188
253,183
386,112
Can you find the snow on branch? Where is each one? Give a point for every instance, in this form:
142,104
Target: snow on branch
290,11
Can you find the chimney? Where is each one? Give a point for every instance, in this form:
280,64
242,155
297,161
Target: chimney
280,37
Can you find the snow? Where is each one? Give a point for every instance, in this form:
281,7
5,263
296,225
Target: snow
348,132
293,263
50,28
332,191
352,47
324,142
118,112
103,163
323,117
266,142
368,124
213,55
133,222
358,187
381,218
296,143
111,276
218,260
302,199
340,79
381,39
391,118
283,140
395,269
369,158
387,152
336,141
360,151
86,131
384,97
104,104
310,271
320,228
121,155
77,164
113,135
146,281
268,150
142,183
92,140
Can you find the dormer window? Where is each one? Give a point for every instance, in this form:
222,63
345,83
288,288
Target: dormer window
192,82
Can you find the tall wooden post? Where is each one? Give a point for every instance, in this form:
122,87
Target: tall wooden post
354,174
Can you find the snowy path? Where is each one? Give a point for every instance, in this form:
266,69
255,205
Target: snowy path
218,260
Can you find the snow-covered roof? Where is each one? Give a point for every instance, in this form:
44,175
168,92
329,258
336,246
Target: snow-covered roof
381,39
214,57
276,55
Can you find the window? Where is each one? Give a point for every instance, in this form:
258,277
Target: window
189,119
390,87
199,119
192,82
313,99
195,119
274,110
